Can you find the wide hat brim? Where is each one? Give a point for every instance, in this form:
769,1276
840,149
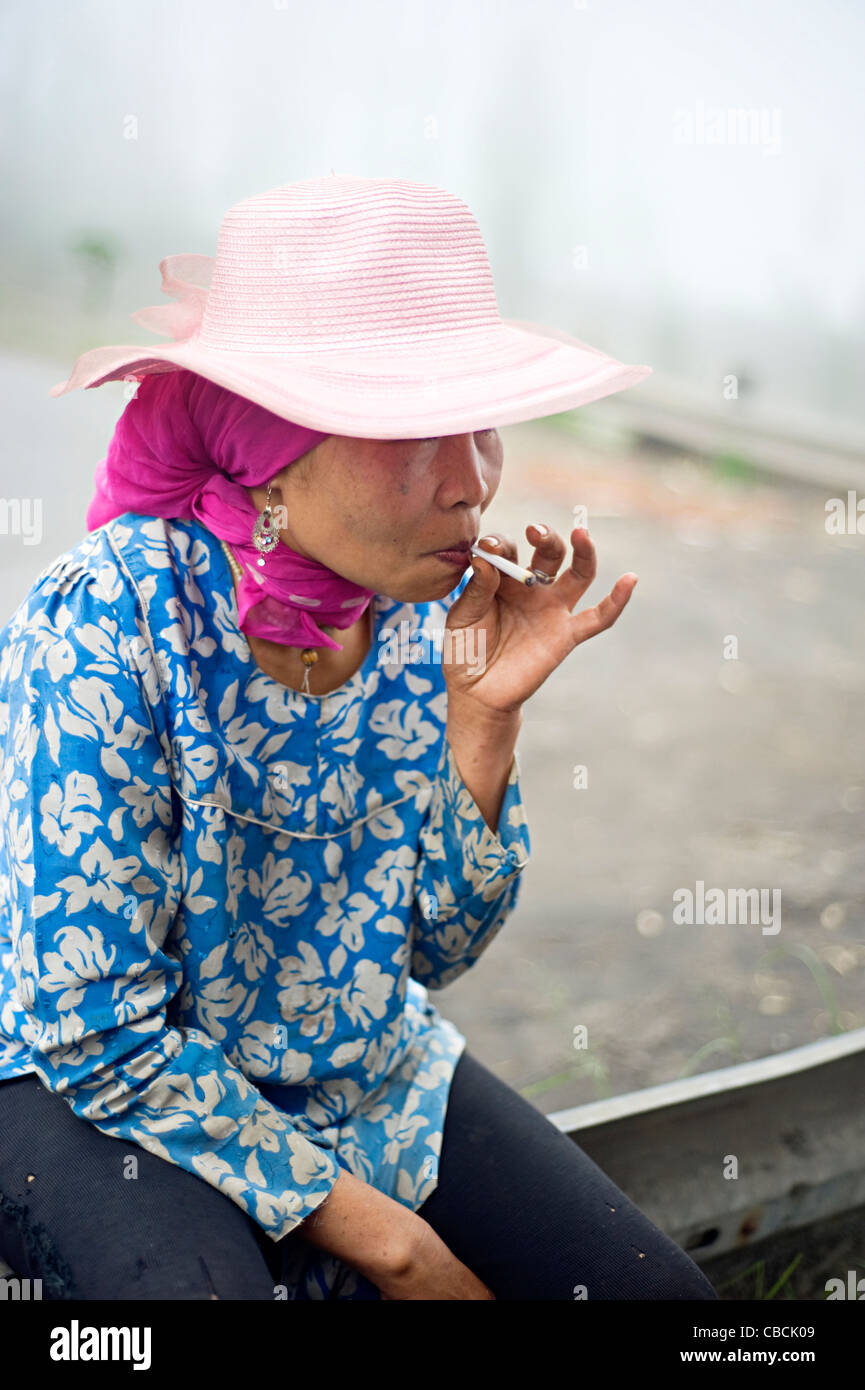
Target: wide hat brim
462,382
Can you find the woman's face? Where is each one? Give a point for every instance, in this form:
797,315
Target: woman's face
375,511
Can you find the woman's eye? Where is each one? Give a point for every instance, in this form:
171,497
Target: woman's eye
434,439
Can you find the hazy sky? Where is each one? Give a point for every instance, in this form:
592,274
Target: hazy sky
585,139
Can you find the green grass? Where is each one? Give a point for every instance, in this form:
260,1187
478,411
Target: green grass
733,468
728,1041
589,1065
759,1271
818,973
566,422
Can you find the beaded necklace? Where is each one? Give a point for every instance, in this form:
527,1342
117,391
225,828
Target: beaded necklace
309,655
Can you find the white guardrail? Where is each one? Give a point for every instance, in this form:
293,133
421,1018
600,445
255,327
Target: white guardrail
724,1159
792,443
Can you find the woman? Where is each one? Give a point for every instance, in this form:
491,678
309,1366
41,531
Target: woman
239,853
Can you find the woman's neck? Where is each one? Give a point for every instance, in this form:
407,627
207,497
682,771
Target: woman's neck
330,671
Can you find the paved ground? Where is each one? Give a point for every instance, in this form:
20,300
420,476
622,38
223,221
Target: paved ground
745,773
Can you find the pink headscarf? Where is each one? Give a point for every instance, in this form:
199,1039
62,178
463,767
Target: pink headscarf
186,448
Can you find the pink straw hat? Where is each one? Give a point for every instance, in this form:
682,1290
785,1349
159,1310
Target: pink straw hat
360,307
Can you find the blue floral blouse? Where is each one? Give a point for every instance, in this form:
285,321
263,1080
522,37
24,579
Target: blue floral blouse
223,902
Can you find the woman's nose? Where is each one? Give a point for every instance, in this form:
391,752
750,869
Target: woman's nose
463,471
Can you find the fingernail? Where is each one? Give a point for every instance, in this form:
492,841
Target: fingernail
544,530
490,540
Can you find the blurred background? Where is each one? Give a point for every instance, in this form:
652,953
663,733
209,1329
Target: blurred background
681,186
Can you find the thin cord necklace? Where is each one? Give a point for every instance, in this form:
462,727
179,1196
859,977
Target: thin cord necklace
309,655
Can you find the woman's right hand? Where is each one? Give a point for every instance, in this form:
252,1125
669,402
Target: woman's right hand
388,1243
431,1271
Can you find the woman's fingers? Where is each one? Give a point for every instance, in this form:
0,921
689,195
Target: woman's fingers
573,582
569,587
474,602
503,545
550,550
594,620
499,545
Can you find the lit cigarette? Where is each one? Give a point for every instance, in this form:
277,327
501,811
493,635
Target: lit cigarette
526,577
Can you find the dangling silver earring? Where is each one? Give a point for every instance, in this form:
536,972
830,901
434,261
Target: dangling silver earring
265,535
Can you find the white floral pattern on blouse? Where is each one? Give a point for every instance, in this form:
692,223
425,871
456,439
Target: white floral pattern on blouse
223,902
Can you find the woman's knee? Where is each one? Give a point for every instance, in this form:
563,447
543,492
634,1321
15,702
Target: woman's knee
96,1217
628,1256
534,1216
79,1261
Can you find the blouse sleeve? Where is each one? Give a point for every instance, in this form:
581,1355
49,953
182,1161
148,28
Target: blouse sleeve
467,878
95,881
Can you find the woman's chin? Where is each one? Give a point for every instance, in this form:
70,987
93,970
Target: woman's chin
425,591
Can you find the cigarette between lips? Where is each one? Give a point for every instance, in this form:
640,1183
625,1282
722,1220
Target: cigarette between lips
526,577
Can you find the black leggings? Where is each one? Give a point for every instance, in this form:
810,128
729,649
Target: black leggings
517,1202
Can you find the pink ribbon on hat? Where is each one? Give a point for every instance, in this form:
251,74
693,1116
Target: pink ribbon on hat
185,448
187,278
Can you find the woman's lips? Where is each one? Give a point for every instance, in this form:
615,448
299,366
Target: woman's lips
454,557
